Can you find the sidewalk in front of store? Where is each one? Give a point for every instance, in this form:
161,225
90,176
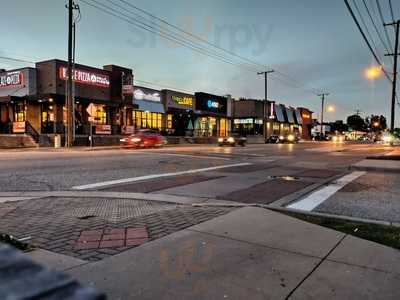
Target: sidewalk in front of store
249,253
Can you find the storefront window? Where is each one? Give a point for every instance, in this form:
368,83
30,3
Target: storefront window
47,118
99,115
169,121
222,127
147,120
19,112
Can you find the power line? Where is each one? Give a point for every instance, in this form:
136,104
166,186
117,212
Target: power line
181,39
366,39
162,34
192,35
383,23
213,45
16,59
391,10
366,28
375,27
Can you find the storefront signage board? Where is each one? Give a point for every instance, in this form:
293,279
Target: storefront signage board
11,79
103,129
211,103
86,77
18,127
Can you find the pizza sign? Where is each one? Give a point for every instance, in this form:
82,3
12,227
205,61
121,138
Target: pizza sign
86,77
11,79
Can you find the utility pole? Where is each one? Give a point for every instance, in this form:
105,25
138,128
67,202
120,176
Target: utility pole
265,73
69,102
322,109
394,85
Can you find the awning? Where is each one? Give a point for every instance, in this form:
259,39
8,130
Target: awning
280,116
298,117
290,116
151,106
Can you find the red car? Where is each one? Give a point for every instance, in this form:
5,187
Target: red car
143,139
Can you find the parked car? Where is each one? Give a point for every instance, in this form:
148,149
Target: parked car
338,138
273,139
283,139
232,141
143,139
319,137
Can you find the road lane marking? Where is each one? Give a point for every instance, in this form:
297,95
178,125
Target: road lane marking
318,197
205,156
153,176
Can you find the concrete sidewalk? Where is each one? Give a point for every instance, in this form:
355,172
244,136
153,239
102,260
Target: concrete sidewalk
377,165
249,253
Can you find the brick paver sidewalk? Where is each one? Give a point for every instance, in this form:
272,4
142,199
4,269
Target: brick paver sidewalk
94,228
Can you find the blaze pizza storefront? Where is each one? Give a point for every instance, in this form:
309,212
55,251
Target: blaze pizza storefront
99,103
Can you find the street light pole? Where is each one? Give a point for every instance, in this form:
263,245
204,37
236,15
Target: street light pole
395,54
322,108
265,73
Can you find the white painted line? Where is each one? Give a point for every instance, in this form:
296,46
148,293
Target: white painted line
147,177
318,197
189,155
324,149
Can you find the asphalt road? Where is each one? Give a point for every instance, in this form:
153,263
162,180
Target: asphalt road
61,170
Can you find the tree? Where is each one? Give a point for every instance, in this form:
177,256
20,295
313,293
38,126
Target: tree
376,122
357,123
338,126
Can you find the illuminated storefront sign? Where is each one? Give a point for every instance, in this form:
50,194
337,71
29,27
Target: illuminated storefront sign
147,94
243,121
127,85
11,79
212,104
86,77
184,100
248,121
103,129
18,127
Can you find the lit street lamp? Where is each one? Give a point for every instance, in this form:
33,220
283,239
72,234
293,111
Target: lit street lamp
373,72
331,109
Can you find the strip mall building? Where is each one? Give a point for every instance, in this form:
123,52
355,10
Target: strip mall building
32,103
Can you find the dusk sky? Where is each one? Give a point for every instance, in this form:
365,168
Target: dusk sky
313,41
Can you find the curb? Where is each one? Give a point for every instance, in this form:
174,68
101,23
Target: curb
332,216
375,169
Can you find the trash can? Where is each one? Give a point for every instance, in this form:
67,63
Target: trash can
57,141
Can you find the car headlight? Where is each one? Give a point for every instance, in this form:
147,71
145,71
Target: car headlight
122,140
281,137
335,139
136,140
387,138
290,137
231,140
341,139
220,140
